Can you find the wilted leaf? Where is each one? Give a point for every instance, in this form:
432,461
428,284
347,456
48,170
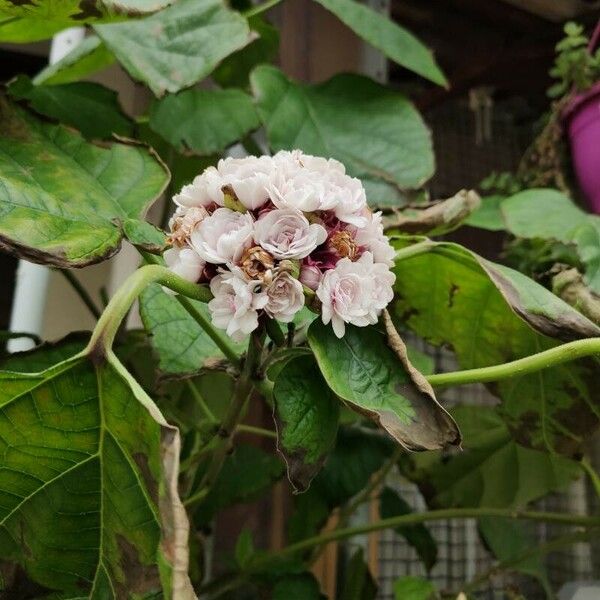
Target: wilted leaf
89,482
568,284
394,41
493,470
417,536
550,215
183,347
306,414
443,217
362,370
89,107
89,56
204,121
388,146
490,314
179,46
66,202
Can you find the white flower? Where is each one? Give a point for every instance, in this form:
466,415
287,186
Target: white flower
204,190
183,222
285,297
352,207
373,238
354,292
235,304
184,262
223,236
288,234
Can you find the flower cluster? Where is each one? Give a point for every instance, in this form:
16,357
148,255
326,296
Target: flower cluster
266,231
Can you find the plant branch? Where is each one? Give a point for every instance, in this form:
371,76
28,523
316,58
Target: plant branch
522,366
201,402
260,8
108,324
591,473
81,292
433,515
256,431
414,250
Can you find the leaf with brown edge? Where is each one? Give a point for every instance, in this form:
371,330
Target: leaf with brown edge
88,501
68,202
306,414
368,375
441,217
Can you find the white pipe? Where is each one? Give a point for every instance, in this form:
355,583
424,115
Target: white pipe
31,285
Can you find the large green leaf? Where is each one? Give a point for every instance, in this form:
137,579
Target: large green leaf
374,131
89,107
23,30
300,586
67,202
86,58
179,46
493,471
550,215
490,314
204,121
394,41
88,500
306,415
182,345
364,372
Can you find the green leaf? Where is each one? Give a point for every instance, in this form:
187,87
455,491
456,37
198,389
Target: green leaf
359,584
183,347
235,70
23,30
244,548
306,415
89,56
388,144
508,540
488,215
550,215
246,474
414,588
302,586
493,471
89,107
64,201
89,499
417,536
204,121
363,370
490,314
179,46
394,41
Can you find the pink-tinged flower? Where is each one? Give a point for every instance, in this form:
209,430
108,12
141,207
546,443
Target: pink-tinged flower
373,238
223,236
310,276
235,304
352,208
183,222
288,234
248,177
354,292
285,297
184,262
205,190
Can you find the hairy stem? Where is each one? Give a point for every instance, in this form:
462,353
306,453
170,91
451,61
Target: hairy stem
108,324
81,292
433,515
522,366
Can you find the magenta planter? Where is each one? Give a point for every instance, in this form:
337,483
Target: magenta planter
582,119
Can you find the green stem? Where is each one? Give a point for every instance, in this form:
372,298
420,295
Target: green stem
201,402
591,473
81,292
260,8
275,332
414,250
522,366
241,393
256,431
433,515
540,550
104,333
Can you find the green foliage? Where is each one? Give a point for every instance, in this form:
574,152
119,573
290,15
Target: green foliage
362,370
179,46
394,41
575,68
452,296
302,586
395,145
307,415
414,588
72,208
359,583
